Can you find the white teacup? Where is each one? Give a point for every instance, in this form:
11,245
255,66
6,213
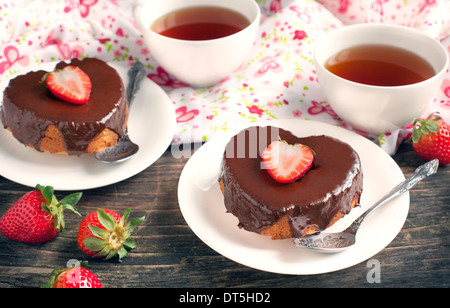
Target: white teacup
379,109
198,63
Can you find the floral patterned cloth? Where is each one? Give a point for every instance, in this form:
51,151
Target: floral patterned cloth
278,81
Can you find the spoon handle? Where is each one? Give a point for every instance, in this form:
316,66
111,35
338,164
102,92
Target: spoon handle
419,174
135,75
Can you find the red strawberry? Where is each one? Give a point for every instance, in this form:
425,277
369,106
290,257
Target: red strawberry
70,84
431,139
104,233
37,217
73,277
287,163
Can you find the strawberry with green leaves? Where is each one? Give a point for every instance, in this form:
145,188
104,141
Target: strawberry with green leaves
105,234
431,139
76,276
37,217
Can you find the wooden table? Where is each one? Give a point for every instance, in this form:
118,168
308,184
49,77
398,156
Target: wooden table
169,254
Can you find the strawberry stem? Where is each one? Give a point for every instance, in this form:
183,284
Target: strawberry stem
114,238
57,208
424,127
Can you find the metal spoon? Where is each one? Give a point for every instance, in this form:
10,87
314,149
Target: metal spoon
336,242
125,148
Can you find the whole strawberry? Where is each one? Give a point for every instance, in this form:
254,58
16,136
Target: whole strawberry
104,234
73,277
431,139
37,217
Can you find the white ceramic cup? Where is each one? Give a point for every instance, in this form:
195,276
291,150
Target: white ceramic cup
198,63
379,109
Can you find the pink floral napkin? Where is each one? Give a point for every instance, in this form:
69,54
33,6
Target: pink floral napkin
278,81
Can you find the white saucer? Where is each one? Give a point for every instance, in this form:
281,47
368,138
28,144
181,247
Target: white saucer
205,213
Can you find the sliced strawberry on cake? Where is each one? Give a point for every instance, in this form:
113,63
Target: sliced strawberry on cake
287,163
70,84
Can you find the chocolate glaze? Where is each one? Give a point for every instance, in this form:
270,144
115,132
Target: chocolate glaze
29,107
258,201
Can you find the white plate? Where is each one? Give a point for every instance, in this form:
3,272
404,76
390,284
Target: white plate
151,125
204,210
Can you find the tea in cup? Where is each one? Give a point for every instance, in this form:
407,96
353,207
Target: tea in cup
199,42
379,77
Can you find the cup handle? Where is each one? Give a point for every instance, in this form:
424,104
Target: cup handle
137,7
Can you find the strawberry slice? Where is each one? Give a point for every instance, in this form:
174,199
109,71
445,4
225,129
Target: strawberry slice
70,84
287,163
